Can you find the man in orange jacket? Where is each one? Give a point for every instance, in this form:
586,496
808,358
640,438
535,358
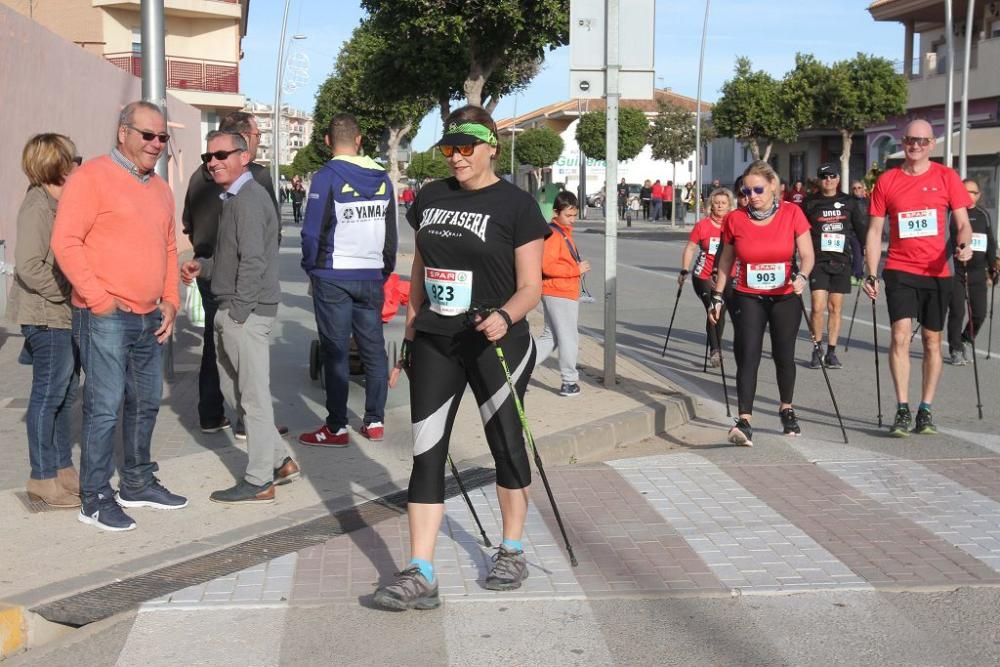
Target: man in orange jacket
561,272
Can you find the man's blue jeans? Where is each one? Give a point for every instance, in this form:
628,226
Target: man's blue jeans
121,360
54,379
343,307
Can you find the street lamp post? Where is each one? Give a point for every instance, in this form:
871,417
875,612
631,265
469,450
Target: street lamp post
697,120
278,82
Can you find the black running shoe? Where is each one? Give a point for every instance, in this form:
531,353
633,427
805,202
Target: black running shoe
831,360
901,427
789,422
925,425
817,358
741,433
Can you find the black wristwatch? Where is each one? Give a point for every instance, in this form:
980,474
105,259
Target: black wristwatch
684,272
871,279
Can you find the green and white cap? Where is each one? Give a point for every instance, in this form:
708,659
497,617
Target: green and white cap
465,133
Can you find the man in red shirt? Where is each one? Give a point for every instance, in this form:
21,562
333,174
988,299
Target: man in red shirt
916,197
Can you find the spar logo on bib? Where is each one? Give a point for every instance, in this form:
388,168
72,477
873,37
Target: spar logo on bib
450,276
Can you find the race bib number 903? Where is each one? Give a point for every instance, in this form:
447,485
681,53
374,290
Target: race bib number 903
448,292
765,276
916,224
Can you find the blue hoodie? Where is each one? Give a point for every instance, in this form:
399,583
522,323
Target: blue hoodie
349,231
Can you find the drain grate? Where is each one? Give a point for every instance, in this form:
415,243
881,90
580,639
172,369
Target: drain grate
100,603
38,506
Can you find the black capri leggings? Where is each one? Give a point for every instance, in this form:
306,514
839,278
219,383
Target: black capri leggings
703,288
958,311
751,315
441,368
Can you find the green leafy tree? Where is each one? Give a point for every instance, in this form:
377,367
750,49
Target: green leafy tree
633,132
428,164
306,161
468,50
501,165
538,147
672,138
753,110
358,86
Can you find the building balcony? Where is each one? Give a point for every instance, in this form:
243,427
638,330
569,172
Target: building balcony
927,85
210,76
185,8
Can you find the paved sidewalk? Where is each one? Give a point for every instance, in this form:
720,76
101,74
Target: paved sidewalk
38,565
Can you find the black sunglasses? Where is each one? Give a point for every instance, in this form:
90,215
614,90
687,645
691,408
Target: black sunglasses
757,190
830,177
917,141
78,159
149,136
464,150
219,155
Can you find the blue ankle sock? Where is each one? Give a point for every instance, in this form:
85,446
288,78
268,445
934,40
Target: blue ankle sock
426,568
513,545
903,406
925,406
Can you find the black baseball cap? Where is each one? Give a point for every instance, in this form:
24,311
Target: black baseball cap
828,168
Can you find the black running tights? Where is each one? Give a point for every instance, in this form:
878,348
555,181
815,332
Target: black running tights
752,314
958,312
442,366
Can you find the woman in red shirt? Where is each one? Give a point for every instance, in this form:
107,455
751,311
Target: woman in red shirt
763,238
705,238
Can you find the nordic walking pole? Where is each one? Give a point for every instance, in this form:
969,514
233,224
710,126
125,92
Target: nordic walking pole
972,341
826,376
531,441
989,345
704,364
878,382
468,501
722,369
915,330
850,330
672,316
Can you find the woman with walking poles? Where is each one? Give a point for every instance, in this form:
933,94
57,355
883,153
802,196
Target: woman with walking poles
476,274
704,239
764,238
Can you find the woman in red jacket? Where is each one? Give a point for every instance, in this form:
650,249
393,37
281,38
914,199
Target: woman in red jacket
763,238
561,272
705,239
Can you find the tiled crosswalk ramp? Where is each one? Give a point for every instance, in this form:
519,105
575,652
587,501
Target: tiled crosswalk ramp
678,524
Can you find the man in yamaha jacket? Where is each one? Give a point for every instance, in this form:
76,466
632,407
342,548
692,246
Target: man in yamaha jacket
348,249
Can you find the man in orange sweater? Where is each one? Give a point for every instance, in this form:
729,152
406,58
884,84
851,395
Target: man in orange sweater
114,240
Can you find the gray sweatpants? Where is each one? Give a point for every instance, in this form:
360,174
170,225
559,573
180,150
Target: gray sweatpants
244,360
560,332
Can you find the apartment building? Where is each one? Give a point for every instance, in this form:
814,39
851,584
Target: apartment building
296,130
203,43
925,65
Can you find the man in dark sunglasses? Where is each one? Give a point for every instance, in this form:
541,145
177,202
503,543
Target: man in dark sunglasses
114,238
200,218
916,199
244,281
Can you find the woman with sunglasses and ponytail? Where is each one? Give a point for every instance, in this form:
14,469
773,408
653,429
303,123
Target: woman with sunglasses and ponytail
477,271
764,237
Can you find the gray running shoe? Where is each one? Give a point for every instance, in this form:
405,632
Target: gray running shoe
715,359
510,568
958,358
410,590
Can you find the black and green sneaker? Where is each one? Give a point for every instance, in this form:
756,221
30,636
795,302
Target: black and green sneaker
925,425
901,427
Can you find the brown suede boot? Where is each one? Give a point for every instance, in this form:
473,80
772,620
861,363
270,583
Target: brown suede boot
69,479
51,493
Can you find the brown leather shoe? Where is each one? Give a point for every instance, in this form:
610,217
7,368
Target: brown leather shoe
50,492
287,472
69,479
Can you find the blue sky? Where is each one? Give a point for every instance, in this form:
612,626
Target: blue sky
769,32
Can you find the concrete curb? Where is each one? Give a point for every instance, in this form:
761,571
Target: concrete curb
21,630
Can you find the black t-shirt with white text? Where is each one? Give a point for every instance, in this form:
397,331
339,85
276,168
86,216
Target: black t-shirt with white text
832,221
469,236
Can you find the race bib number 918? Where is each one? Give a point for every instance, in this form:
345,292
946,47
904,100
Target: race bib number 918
765,276
916,224
448,292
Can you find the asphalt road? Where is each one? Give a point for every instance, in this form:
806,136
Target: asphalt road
648,265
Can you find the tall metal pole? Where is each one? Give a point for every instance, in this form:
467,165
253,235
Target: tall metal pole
611,196
963,131
154,64
949,111
582,190
513,142
697,121
279,75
